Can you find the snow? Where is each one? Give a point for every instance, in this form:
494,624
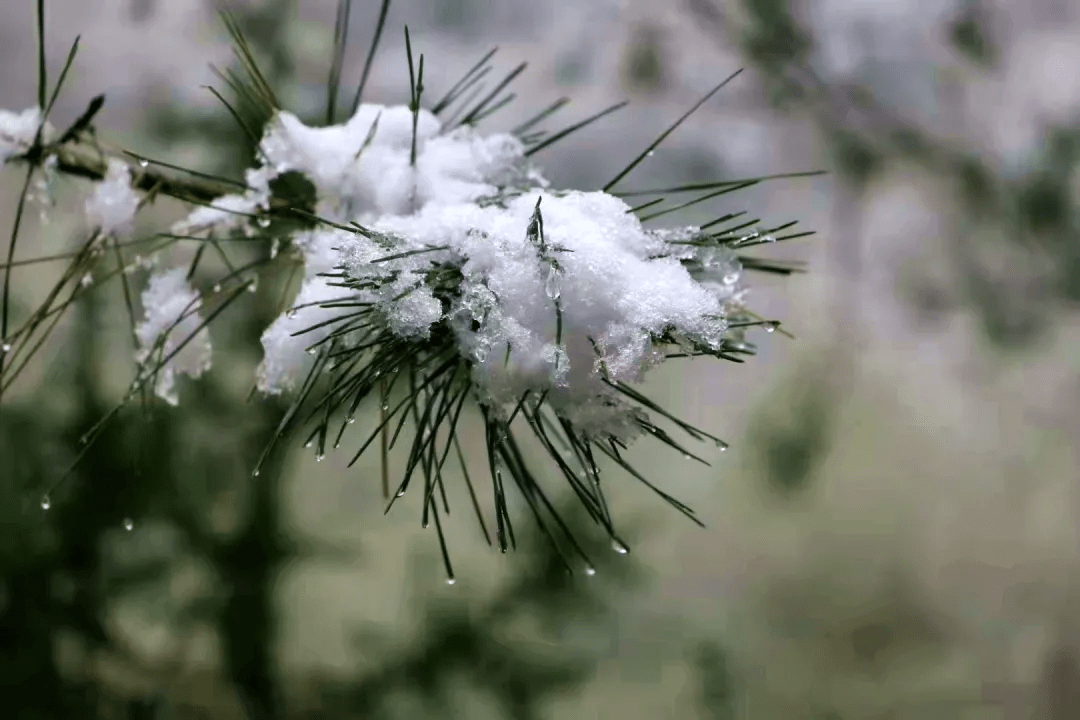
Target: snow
171,319
113,202
230,212
17,131
556,311
612,290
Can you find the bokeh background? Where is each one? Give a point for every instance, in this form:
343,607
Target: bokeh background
893,533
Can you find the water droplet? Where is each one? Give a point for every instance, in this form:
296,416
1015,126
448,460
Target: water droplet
590,570
253,286
144,164
618,547
129,524
217,287
769,238
687,456
275,247
450,580
46,503
263,221
255,472
351,419
309,443
399,493
553,286
651,153
320,457
771,326
291,314
385,405
86,280
5,348
731,278
311,351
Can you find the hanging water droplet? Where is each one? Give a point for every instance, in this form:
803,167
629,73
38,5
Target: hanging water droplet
618,547
553,286
351,419
255,472
385,405
290,314
144,164
275,247
263,221
771,326
651,153
687,456
450,580
253,286
320,457
46,503
129,524
86,280
768,238
217,287
311,351
5,348
590,570
399,493
309,443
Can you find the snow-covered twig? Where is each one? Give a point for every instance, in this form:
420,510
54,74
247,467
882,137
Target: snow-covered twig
440,271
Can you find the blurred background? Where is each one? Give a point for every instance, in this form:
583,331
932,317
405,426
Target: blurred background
893,533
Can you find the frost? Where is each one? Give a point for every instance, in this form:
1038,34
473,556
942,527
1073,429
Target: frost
18,130
172,321
113,202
